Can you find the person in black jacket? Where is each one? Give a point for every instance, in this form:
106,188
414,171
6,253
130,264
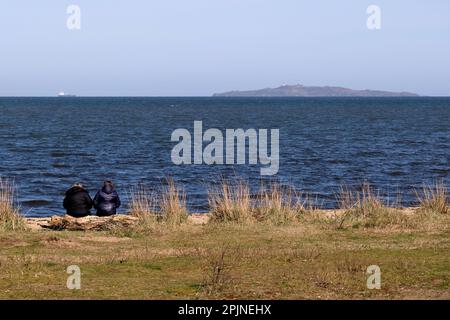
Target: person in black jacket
106,201
77,201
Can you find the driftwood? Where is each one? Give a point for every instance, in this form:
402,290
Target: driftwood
93,223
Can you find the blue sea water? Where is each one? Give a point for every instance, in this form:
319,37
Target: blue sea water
47,144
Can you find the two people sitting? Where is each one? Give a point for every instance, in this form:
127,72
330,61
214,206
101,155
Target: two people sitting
78,202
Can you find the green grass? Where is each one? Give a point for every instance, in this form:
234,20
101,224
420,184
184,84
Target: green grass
261,261
274,246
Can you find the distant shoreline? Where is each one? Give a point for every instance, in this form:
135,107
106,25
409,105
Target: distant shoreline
221,97
299,90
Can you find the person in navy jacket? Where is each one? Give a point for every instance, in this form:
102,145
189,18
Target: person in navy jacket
106,201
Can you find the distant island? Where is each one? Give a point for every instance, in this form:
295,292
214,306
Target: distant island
299,90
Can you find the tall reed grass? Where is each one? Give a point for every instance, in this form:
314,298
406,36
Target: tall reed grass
434,198
278,204
173,204
365,208
231,203
275,204
362,204
10,218
169,208
142,205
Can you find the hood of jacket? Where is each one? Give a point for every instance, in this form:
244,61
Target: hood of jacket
108,189
74,190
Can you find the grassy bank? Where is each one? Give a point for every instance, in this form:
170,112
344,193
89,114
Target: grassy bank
276,246
228,261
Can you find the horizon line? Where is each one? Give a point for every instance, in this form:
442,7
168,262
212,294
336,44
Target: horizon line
209,96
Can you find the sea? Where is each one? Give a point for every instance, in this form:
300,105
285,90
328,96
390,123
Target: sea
48,143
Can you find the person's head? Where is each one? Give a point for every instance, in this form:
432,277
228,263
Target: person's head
78,185
108,186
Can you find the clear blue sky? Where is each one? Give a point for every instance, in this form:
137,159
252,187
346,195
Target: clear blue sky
198,47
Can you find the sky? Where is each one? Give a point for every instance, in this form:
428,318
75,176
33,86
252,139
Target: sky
199,47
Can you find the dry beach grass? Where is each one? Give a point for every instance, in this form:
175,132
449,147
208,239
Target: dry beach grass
10,218
274,246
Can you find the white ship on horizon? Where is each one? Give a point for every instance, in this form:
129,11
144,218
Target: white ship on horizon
62,94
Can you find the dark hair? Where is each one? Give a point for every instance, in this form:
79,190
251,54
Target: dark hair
108,183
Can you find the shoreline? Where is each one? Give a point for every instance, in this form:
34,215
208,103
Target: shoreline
95,223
